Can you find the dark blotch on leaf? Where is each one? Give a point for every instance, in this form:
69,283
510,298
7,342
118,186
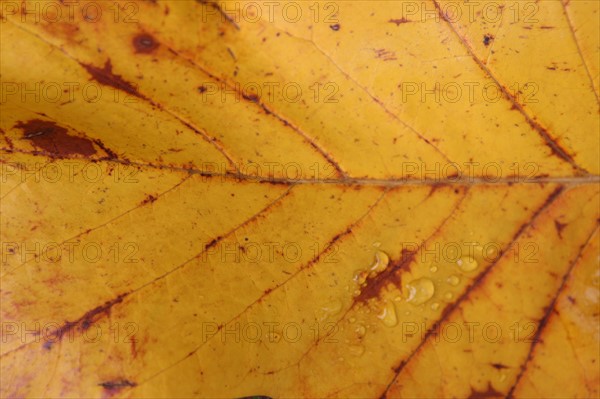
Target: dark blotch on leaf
559,228
106,77
250,97
54,139
399,21
144,43
335,27
149,199
117,384
487,39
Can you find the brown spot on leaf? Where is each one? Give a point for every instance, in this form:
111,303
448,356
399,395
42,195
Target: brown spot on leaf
83,322
117,385
385,55
67,31
54,139
398,21
488,393
144,43
212,243
487,39
559,228
106,77
250,97
149,199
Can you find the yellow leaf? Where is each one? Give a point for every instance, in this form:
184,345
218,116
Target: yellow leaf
299,199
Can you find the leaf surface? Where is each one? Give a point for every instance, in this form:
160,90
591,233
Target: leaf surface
374,199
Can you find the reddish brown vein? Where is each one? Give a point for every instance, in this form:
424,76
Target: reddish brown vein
255,100
550,142
450,308
548,313
394,181
337,238
89,230
223,14
378,283
105,76
572,29
105,309
382,105
391,275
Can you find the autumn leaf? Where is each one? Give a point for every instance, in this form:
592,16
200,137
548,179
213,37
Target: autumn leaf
300,199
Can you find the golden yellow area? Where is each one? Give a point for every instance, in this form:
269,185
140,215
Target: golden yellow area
341,199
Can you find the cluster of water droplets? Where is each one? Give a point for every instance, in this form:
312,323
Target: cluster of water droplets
418,292
422,290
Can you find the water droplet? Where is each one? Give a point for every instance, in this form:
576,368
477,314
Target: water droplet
491,253
592,294
433,269
420,291
356,350
453,280
398,298
467,264
502,377
388,315
352,319
361,276
381,262
448,296
376,244
333,307
435,306
360,330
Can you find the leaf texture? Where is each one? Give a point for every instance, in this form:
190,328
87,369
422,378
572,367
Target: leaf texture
373,199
